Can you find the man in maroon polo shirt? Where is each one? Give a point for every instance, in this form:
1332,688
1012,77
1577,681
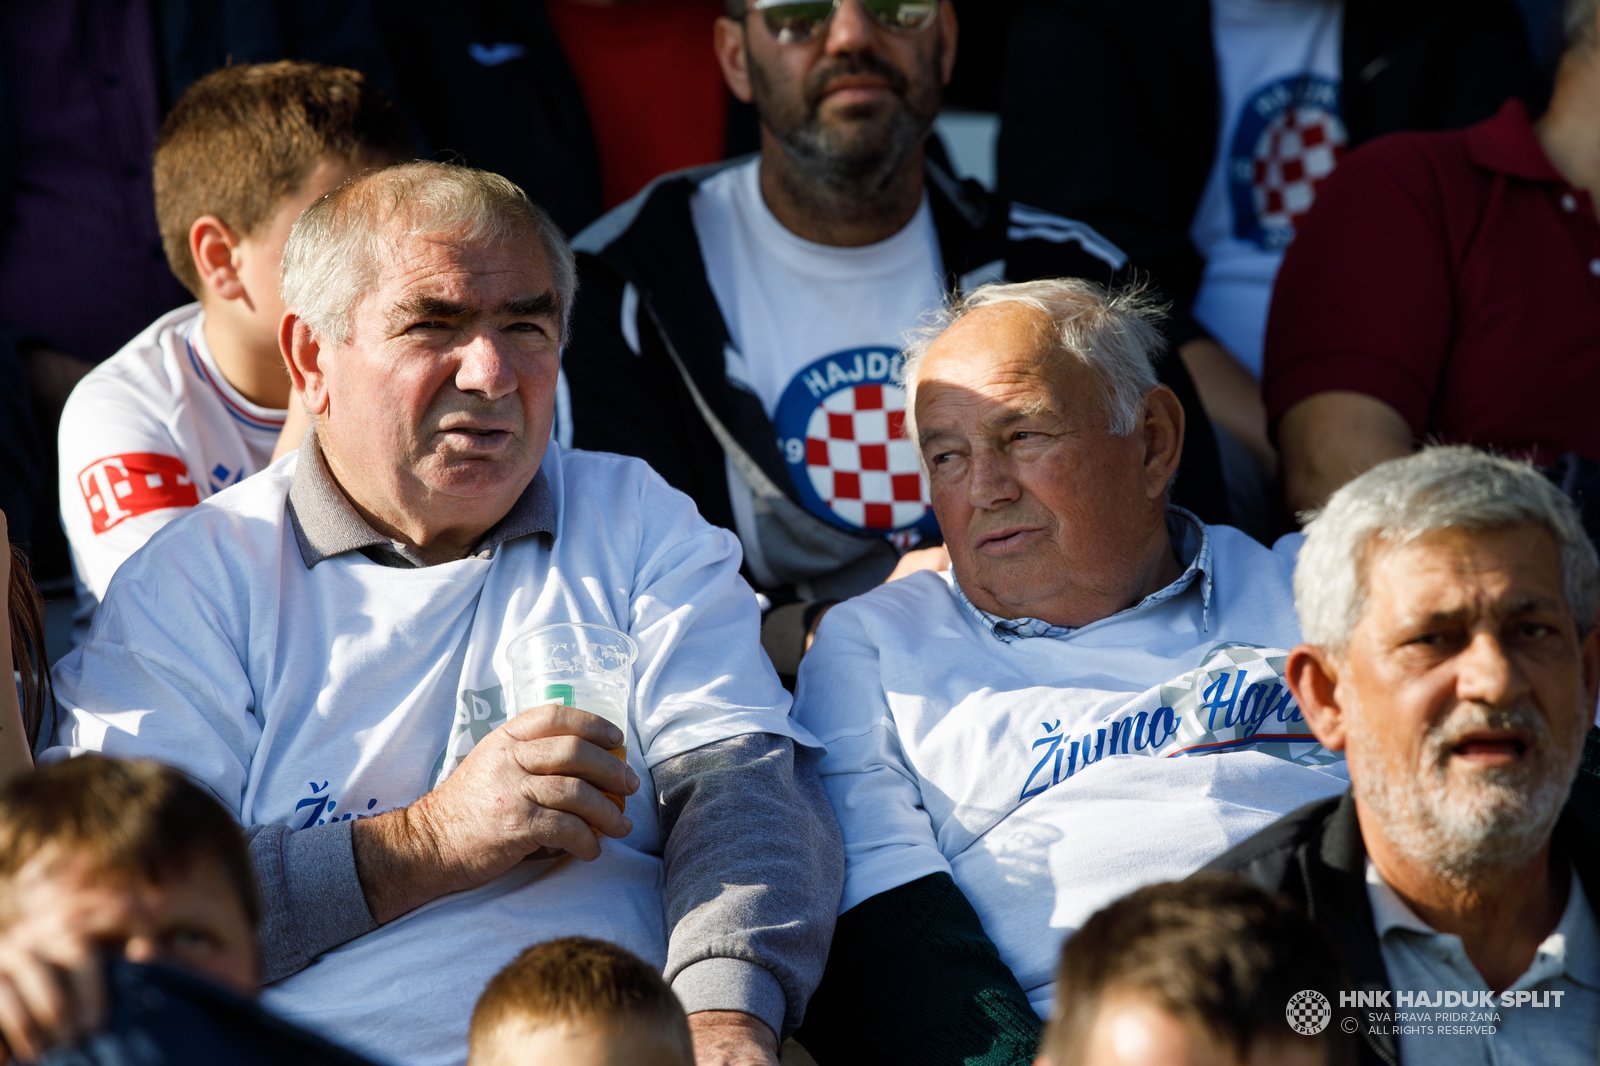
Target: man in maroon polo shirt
1447,286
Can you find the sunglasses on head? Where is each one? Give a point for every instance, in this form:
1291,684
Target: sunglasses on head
798,21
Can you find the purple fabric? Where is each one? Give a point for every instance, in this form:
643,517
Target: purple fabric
80,258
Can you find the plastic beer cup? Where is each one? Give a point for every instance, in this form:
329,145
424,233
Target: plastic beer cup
577,664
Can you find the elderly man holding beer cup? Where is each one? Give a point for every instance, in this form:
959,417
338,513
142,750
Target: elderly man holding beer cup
329,647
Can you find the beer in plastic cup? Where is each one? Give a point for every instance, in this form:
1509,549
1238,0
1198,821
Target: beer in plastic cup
577,664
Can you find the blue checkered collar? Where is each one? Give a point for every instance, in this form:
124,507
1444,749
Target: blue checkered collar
1190,540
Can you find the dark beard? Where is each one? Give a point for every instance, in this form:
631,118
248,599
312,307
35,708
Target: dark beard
857,166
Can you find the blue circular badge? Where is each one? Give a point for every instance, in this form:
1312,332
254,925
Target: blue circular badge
841,427
1289,139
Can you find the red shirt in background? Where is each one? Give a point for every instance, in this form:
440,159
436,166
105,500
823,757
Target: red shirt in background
651,82
1456,277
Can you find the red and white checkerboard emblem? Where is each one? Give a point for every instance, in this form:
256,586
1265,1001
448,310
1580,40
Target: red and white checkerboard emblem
1294,154
859,461
1288,139
119,487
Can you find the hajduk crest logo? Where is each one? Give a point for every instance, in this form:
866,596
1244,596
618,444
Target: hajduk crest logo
1289,139
1308,1012
841,426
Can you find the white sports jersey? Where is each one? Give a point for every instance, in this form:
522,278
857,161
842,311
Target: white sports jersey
816,334
149,433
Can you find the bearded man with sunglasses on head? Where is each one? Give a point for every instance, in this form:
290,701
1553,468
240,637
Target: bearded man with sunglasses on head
741,324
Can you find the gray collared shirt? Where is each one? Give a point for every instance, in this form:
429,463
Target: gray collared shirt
1559,1023
325,524
1190,542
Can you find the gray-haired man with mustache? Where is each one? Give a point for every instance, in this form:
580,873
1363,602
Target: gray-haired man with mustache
332,661
1446,600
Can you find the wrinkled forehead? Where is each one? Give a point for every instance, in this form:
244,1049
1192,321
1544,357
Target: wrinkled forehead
1005,355
410,260
1463,573
478,271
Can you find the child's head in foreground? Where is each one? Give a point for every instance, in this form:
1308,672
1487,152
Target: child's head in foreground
579,1002
244,151
132,857
1193,973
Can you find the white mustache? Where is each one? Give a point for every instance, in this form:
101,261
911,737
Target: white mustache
1470,718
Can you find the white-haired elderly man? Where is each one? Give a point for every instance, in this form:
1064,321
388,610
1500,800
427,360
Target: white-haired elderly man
1090,699
1446,600
324,647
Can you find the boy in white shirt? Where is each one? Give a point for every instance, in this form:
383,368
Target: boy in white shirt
200,399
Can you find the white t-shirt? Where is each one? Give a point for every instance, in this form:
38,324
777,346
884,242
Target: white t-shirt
817,334
146,435
299,696
1051,775
1279,137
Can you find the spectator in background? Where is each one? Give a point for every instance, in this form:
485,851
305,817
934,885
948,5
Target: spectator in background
1197,133
1447,602
741,326
1193,973
23,703
83,87
583,102
199,399
579,1002
1087,701
1448,286
324,647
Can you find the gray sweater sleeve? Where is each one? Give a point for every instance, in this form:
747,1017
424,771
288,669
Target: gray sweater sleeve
754,874
311,899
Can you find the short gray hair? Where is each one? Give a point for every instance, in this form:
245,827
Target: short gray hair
337,248
1398,501
1115,333
1578,22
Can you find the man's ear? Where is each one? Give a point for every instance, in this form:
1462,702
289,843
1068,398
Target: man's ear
1313,677
949,31
727,40
212,244
302,351
1163,439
